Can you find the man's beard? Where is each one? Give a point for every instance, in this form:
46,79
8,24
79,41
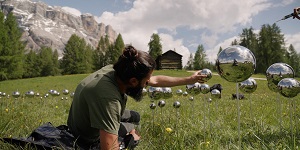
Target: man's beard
135,92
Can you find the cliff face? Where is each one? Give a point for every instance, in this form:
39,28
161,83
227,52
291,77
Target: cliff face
44,25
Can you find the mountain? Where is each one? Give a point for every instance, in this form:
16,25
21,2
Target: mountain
44,25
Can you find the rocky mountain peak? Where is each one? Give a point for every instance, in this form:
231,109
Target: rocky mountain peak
52,26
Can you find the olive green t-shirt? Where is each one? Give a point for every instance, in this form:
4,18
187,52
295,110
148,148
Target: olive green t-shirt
97,104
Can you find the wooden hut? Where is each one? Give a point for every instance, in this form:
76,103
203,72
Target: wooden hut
169,60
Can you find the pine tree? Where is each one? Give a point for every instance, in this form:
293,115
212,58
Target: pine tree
293,59
199,58
46,61
270,47
11,49
155,47
220,49
75,59
32,66
189,65
55,69
118,49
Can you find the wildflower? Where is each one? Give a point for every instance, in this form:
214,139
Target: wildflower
10,136
56,106
6,109
169,130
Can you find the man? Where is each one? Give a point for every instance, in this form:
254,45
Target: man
100,99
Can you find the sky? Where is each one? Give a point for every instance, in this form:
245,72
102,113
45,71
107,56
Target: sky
185,24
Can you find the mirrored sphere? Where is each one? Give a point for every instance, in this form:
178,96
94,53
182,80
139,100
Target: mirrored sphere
72,94
37,94
191,98
204,88
16,94
215,94
29,94
277,72
206,72
65,92
176,104
3,94
155,93
248,86
235,63
161,103
185,94
152,106
179,92
144,91
193,89
167,92
209,100
289,87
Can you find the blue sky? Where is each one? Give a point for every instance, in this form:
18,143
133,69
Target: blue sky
183,25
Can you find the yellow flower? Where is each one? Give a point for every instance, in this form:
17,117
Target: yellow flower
10,136
6,109
56,106
169,130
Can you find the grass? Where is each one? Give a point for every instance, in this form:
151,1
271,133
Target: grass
197,124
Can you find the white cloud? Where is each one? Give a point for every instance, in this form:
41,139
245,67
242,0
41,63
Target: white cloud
293,39
215,16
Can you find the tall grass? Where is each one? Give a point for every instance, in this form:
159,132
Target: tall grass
197,124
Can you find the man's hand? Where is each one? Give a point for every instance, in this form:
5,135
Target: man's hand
296,11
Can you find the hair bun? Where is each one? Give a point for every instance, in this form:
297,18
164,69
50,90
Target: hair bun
130,53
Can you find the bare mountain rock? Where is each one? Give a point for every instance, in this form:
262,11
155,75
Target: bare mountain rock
52,26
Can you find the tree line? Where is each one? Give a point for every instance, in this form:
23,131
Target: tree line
17,62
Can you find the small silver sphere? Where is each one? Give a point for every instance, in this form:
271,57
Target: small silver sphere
176,104
46,95
277,72
29,94
3,94
289,87
37,94
16,94
179,92
209,100
215,94
248,86
206,72
152,106
235,63
54,93
185,94
191,98
144,91
204,88
155,93
161,103
72,94
65,92
193,89
167,92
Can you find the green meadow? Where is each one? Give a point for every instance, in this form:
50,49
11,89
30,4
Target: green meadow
267,119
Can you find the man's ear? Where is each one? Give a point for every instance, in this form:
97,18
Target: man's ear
133,82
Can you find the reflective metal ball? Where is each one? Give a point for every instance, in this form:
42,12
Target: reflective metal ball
179,92
144,91
152,106
191,98
72,94
161,103
206,72
277,72
248,86
176,104
204,88
193,89
185,94
155,93
29,94
16,94
167,92
235,63
65,91
289,87
215,94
